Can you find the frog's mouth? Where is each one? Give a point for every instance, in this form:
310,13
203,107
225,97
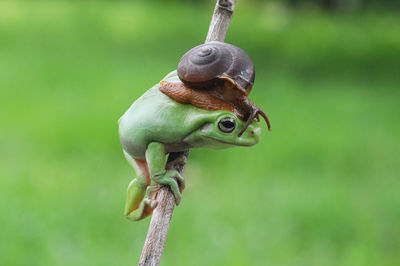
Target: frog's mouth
231,143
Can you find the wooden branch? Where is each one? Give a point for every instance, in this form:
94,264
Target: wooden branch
159,224
220,20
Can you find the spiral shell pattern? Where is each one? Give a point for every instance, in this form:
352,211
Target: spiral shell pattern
203,65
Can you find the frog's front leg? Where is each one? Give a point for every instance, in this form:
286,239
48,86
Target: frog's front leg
156,161
137,206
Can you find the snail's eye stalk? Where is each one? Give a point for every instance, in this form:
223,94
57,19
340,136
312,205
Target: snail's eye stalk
254,114
261,112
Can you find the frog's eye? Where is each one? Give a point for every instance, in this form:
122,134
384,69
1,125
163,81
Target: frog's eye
227,124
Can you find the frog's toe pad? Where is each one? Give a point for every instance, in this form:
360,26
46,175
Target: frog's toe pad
153,203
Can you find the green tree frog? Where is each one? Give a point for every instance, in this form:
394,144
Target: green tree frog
156,125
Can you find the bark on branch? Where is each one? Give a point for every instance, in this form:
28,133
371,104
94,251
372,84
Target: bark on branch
220,20
159,224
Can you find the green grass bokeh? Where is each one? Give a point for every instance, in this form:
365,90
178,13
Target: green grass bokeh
321,189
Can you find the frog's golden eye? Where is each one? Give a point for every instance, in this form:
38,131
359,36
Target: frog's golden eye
227,124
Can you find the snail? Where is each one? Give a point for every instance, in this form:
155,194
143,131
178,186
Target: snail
216,76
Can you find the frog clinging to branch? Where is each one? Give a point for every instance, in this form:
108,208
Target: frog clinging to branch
202,104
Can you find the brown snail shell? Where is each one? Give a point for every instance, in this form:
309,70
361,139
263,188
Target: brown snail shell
216,76
207,63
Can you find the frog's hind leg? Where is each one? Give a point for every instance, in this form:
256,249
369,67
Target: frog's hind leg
138,205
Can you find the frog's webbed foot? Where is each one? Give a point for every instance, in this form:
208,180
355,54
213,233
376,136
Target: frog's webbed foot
140,200
151,203
174,180
145,208
151,191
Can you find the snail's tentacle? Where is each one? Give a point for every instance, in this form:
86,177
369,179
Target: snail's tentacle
248,122
262,113
255,115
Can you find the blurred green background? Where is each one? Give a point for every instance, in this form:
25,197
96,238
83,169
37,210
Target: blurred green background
323,188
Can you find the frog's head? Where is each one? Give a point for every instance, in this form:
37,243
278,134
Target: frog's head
223,130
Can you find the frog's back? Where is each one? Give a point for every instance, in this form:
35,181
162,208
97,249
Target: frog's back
153,117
